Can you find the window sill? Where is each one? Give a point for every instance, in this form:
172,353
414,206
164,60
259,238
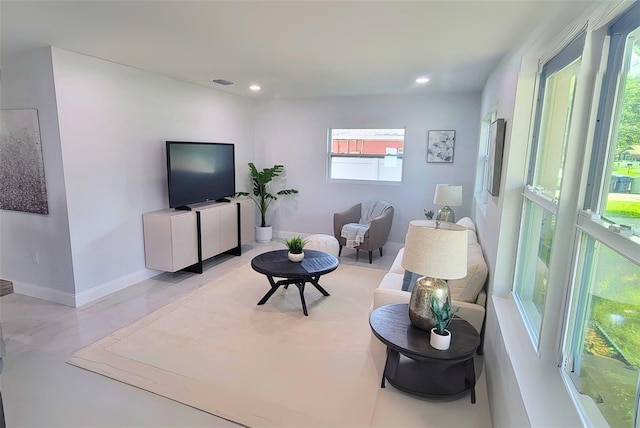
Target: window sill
482,205
545,397
590,413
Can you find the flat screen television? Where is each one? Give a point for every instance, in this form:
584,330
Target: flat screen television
199,172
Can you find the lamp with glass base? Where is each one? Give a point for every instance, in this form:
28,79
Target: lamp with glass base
448,195
438,251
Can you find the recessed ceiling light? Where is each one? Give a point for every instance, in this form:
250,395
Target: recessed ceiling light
255,87
422,80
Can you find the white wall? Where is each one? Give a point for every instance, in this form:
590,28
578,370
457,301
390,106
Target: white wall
507,407
27,82
113,123
294,133
106,164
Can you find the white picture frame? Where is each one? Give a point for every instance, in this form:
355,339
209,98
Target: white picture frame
441,146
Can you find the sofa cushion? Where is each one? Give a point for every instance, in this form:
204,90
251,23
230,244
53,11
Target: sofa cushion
467,223
396,267
467,288
391,281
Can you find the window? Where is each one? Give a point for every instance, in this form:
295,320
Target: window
622,189
605,351
601,353
543,192
366,154
482,170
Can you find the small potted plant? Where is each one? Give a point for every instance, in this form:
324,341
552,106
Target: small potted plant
428,214
295,246
442,317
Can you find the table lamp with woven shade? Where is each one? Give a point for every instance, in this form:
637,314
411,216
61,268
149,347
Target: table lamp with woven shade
448,195
438,251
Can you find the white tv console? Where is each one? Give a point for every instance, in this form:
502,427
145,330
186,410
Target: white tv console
181,240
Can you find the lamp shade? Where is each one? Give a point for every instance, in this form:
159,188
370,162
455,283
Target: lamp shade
448,194
437,252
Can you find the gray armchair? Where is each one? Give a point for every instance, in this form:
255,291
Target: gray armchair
374,238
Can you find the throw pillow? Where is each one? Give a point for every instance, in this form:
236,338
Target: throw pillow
409,280
467,289
467,222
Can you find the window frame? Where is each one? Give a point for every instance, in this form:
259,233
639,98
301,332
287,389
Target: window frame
482,166
531,195
364,181
618,31
565,57
593,230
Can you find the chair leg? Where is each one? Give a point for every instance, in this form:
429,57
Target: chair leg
370,257
357,254
380,251
340,251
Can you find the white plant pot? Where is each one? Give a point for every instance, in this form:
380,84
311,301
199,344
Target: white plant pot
296,257
264,234
440,342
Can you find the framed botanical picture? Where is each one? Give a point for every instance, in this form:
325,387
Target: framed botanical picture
496,141
440,146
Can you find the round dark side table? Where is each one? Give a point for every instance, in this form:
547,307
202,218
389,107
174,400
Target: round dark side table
310,269
426,371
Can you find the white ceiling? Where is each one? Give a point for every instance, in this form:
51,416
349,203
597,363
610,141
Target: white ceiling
295,48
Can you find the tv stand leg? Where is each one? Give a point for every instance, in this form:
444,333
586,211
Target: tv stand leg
197,267
235,251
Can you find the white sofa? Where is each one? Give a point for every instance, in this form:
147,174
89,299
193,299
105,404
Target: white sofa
467,293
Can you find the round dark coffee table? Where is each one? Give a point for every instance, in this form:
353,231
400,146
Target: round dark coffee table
427,372
276,264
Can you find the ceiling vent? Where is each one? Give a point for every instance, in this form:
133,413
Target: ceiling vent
222,82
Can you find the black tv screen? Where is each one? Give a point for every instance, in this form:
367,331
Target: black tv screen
199,172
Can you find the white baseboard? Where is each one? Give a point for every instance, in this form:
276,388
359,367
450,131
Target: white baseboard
79,299
393,246
285,234
44,293
112,286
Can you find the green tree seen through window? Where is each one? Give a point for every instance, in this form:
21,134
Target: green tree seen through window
629,128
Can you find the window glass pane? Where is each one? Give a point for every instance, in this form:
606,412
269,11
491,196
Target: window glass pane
607,333
623,190
366,154
553,131
533,264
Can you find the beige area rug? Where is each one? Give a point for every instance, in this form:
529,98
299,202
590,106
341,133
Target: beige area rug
216,350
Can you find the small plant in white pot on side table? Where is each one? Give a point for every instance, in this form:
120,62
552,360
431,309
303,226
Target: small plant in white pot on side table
440,336
295,246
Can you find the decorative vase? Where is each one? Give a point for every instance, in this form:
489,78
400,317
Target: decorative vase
264,234
441,342
424,291
296,257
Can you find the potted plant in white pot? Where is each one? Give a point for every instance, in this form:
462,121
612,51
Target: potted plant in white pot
295,246
263,197
442,316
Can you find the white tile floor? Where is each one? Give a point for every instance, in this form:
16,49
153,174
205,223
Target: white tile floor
40,390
